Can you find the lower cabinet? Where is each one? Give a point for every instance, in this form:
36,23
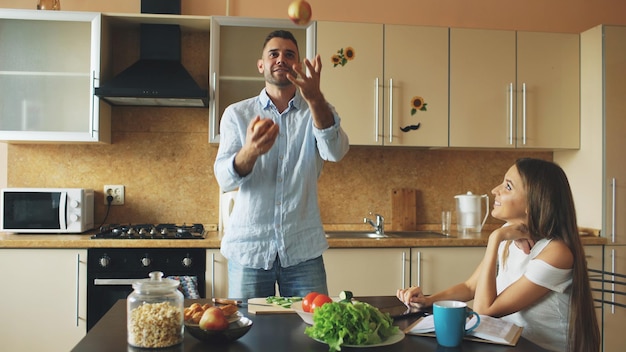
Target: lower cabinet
437,268
367,271
43,304
614,321
216,274
593,255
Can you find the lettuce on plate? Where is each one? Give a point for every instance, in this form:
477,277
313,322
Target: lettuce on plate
350,323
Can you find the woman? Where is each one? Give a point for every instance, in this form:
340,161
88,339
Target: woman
534,272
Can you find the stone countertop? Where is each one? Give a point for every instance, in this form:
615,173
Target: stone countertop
213,239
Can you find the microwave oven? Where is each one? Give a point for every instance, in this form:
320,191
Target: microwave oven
46,210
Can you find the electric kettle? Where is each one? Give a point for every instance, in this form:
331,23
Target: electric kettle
468,212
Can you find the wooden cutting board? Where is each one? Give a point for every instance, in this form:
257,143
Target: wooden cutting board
260,306
403,209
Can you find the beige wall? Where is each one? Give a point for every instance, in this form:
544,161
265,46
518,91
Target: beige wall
163,158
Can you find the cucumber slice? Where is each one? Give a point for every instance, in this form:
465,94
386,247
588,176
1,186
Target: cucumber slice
345,296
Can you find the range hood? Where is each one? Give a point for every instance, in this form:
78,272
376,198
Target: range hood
158,78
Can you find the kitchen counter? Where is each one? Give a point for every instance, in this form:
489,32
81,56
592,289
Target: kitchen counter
275,333
213,240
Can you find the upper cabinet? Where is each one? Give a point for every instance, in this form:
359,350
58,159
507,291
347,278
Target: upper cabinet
514,89
49,67
236,45
388,83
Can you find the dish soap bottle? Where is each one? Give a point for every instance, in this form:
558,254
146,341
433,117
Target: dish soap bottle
155,313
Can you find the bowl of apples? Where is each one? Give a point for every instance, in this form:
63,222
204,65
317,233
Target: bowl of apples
212,324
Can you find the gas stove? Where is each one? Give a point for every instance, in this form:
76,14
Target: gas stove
151,231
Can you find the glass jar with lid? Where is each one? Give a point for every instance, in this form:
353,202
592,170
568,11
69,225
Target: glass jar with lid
155,312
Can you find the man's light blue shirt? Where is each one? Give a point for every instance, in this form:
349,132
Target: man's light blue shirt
276,210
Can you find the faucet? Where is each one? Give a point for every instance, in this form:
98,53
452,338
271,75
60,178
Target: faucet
379,225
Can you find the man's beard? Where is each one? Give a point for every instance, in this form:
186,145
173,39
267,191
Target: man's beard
280,81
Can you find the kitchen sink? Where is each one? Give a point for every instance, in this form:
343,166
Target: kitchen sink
355,234
390,234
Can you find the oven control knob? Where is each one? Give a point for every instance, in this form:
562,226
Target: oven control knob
74,204
187,262
74,217
145,261
104,261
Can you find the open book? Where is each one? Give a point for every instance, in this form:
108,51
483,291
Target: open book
490,329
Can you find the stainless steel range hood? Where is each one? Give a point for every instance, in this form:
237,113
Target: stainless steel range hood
158,78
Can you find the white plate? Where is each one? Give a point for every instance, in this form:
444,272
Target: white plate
234,317
306,317
395,338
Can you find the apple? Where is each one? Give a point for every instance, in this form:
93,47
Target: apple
299,12
257,124
213,319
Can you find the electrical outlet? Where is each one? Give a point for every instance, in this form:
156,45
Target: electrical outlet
116,191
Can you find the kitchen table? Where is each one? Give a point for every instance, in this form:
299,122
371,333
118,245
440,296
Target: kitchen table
273,333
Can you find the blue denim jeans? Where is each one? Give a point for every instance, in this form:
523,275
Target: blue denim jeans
297,280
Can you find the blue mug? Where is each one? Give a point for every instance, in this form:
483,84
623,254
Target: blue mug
450,319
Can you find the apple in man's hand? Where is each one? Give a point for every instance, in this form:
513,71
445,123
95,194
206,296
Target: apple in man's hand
299,12
213,319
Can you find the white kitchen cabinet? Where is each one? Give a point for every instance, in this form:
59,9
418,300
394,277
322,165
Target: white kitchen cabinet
49,68
374,89
597,172
435,269
236,45
514,89
366,271
216,274
44,299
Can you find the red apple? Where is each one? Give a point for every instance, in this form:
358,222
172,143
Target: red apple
299,12
213,319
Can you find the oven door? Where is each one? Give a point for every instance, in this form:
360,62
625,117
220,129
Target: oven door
104,291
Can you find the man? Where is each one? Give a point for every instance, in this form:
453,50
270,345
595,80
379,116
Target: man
273,147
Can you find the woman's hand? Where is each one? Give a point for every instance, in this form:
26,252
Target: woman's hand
412,296
517,232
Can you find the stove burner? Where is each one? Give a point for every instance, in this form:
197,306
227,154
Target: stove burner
150,231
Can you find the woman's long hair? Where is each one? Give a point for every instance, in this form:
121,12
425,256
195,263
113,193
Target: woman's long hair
551,214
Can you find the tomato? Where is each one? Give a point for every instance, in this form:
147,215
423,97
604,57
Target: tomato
320,300
307,301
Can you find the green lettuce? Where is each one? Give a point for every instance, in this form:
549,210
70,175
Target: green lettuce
350,323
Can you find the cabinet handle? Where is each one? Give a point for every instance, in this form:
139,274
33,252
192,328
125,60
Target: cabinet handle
213,112
77,287
510,113
524,113
613,195
419,269
391,113
376,113
212,275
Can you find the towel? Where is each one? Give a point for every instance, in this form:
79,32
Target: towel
188,286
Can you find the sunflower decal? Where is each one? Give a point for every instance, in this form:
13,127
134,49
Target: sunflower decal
417,103
343,56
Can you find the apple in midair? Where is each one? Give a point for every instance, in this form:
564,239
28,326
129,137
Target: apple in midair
299,12
213,319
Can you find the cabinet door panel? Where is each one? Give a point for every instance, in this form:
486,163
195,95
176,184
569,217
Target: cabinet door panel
44,305
548,90
436,269
366,272
416,62
355,89
217,274
614,316
482,80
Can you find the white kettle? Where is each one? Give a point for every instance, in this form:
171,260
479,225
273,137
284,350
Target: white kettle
468,212
227,202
